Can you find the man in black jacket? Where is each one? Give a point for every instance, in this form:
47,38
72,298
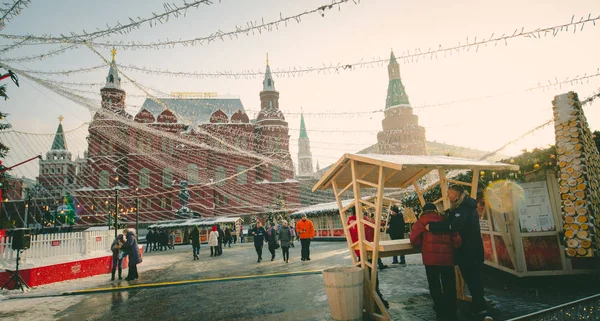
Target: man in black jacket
259,234
463,218
396,231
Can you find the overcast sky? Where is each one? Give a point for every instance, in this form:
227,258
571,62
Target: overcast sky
365,32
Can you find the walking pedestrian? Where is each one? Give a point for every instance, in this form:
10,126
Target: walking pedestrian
131,247
241,233
195,240
221,237
156,240
437,250
293,232
117,257
285,238
213,241
172,240
272,240
396,231
464,219
258,233
227,236
306,231
149,240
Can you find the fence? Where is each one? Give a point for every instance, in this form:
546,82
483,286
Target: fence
583,309
58,244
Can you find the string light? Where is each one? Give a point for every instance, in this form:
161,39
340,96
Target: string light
171,11
12,10
247,29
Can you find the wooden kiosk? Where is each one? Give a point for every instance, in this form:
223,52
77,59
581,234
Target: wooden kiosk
373,173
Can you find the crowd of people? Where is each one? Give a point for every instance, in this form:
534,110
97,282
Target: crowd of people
446,239
159,239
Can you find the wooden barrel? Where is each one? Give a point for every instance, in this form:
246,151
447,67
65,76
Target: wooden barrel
344,288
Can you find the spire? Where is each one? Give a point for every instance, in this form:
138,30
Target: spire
393,58
396,94
303,133
59,143
268,83
113,80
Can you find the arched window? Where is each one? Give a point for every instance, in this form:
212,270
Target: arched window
220,175
144,178
104,180
192,174
167,177
242,178
276,174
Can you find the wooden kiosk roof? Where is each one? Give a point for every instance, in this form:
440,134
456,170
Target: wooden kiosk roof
354,173
404,169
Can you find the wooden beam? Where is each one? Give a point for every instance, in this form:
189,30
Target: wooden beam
451,181
369,204
390,175
343,190
415,177
373,185
436,183
361,233
444,188
474,184
419,193
378,210
344,220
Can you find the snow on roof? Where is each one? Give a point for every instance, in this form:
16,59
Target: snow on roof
197,222
320,208
400,170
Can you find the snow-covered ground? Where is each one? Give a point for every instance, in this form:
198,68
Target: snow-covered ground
21,306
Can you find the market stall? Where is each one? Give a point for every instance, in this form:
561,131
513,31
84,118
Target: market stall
376,173
182,228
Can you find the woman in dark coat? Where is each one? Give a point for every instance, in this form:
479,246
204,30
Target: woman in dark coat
272,237
285,237
131,247
195,239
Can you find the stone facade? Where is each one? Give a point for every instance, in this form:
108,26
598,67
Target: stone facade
233,166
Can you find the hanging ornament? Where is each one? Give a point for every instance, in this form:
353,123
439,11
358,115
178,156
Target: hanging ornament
482,173
512,161
536,166
552,156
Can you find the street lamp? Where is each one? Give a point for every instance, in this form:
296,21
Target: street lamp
116,206
137,210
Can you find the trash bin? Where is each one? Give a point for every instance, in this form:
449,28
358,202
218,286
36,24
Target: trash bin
344,288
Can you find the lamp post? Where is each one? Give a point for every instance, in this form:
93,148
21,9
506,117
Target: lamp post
137,210
116,206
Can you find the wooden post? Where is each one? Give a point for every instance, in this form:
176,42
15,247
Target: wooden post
378,210
344,222
368,302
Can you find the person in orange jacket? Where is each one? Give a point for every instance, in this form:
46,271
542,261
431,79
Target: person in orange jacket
306,231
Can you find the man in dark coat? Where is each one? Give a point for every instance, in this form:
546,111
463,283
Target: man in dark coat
259,236
149,240
132,249
195,239
463,218
396,231
221,237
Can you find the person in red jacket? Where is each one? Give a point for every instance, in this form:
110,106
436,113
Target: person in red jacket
369,235
437,250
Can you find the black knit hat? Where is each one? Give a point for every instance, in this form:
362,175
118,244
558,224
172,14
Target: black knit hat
457,188
429,207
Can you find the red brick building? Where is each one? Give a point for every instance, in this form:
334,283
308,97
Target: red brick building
233,165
